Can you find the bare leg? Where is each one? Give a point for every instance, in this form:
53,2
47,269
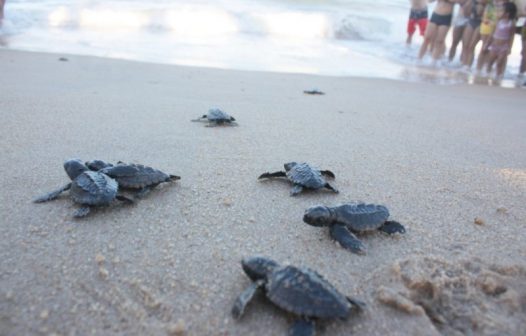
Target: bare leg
457,37
483,52
429,39
440,44
466,45
2,3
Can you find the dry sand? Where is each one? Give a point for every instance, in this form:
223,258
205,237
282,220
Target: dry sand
437,156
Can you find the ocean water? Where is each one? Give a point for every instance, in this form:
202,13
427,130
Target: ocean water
331,37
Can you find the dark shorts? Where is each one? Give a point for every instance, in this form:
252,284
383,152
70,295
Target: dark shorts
417,14
441,20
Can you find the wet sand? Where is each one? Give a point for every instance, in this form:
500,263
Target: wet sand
437,156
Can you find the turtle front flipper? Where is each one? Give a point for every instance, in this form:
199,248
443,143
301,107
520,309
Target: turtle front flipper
174,177
296,189
52,195
244,298
391,227
346,239
202,118
327,173
211,124
302,327
82,212
123,198
328,186
270,175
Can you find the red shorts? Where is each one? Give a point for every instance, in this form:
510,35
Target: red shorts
412,23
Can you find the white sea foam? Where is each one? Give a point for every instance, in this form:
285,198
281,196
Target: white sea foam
331,37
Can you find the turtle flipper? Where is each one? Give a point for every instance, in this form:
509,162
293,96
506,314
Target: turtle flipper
143,192
82,212
302,327
391,227
328,186
346,239
244,298
174,177
211,124
202,118
52,195
358,304
125,199
270,175
296,189
327,173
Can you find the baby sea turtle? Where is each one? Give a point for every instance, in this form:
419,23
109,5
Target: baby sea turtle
217,117
300,291
132,176
303,176
88,188
345,219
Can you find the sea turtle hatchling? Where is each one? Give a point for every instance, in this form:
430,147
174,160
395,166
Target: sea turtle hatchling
302,175
132,176
217,117
88,188
300,291
345,219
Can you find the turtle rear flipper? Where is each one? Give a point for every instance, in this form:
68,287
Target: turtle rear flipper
82,212
328,186
52,195
346,239
327,173
302,327
123,198
244,298
200,119
391,227
296,189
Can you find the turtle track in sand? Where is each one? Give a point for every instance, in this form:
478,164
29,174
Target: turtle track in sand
468,297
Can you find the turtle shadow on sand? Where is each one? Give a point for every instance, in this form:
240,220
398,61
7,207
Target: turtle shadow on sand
303,176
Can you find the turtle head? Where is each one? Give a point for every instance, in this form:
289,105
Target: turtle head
97,165
318,216
258,268
232,119
289,165
74,168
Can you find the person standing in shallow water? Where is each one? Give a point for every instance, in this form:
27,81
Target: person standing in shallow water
438,28
417,17
2,3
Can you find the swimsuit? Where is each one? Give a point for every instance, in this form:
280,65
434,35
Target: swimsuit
461,20
475,19
441,20
417,17
503,32
488,20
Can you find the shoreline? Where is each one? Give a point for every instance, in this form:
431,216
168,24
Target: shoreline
437,156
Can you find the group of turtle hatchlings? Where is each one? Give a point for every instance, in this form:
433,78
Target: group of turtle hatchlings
299,291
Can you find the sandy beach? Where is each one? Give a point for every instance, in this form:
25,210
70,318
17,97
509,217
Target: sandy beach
438,157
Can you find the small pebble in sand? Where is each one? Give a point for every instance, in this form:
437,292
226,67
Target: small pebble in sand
63,59
502,210
99,258
44,314
252,220
479,221
103,273
227,202
177,329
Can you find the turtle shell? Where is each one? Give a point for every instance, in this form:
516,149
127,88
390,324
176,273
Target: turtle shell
306,176
304,292
217,115
361,216
93,188
135,176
